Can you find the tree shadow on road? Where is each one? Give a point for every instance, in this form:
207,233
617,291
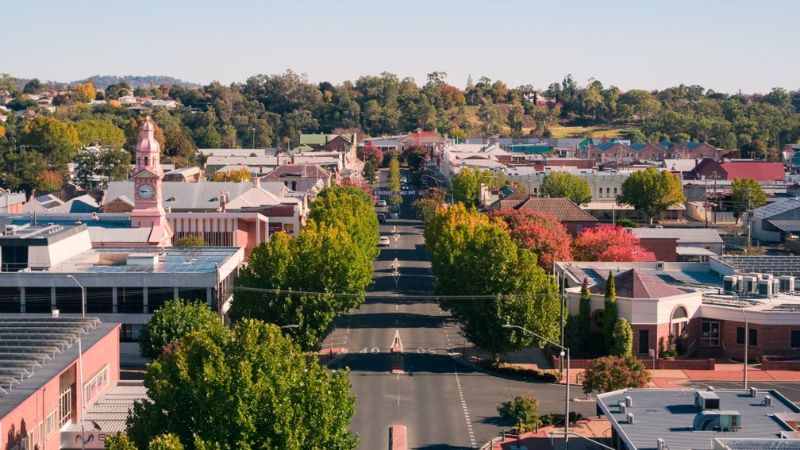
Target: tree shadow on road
442,447
393,320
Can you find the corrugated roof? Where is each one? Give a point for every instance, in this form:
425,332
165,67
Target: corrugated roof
757,170
203,196
777,207
110,411
683,235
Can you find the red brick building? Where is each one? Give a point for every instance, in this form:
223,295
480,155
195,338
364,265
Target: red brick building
41,391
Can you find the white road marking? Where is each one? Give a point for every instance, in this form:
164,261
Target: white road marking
464,408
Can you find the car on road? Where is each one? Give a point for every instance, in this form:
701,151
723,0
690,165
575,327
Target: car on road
381,218
384,241
381,203
394,215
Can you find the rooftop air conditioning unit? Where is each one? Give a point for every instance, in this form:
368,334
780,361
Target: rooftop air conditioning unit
622,408
660,265
767,400
629,417
786,283
628,401
661,444
765,288
730,283
717,421
706,400
753,392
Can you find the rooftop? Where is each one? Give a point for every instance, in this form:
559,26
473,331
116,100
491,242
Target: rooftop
169,260
669,414
36,348
683,235
110,411
638,284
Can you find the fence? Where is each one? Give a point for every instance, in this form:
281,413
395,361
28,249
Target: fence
665,364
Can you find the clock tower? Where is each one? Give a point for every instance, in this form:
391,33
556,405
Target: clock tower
148,210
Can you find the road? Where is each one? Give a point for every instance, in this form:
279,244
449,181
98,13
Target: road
444,404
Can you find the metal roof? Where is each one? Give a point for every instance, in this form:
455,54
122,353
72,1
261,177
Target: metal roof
683,235
35,348
110,411
669,414
774,264
777,207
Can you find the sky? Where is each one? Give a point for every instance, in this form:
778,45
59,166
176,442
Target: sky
727,46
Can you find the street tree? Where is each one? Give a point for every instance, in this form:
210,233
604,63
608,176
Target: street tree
473,255
523,411
611,373
394,181
567,185
651,192
348,208
585,317
746,194
607,243
465,185
245,388
540,232
176,319
426,205
84,92
609,313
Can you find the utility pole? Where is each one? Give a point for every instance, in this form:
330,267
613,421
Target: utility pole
254,137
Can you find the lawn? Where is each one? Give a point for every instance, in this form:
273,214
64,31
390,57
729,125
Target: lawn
597,131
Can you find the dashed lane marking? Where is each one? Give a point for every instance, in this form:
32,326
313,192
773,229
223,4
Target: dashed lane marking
464,408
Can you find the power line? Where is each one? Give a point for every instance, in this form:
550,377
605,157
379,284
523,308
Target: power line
388,295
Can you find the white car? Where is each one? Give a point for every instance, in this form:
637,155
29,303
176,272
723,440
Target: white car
381,203
384,241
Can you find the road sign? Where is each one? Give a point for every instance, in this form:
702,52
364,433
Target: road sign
402,193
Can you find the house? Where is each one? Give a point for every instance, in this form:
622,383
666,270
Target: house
679,167
776,221
306,178
186,175
12,202
427,140
682,419
568,213
384,143
730,170
330,142
53,368
680,244
259,165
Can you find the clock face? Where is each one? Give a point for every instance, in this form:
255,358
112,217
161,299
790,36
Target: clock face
146,191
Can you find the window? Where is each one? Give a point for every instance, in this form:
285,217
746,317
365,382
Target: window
95,384
65,407
795,339
52,423
752,338
709,333
615,191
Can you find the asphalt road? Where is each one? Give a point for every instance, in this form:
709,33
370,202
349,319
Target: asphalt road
444,404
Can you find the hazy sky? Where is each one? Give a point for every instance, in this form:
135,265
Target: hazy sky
724,45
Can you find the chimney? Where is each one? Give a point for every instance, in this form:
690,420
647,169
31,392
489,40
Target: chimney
223,201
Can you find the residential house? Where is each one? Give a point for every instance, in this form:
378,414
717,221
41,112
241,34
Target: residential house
680,244
305,178
427,140
258,165
12,202
568,213
761,171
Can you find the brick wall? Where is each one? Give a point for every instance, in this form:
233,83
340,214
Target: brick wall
769,364
670,364
664,248
773,340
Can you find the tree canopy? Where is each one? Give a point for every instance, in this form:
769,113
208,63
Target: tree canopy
540,232
611,373
652,192
173,321
746,194
565,184
607,243
473,255
245,388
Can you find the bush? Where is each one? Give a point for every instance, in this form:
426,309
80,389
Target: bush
611,373
525,374
523,410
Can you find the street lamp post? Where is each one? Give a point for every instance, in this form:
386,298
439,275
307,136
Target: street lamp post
564,352
80,361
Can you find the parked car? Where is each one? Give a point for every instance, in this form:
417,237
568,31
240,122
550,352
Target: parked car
384,241
381,203
381,218
394,215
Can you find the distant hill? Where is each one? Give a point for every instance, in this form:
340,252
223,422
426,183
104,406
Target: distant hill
134,81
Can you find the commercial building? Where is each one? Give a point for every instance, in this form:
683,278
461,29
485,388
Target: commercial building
710,419
44,268
52,369
680,244
715,309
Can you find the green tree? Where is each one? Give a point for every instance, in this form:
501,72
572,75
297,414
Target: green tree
99,132
565,184
473,255
34,86
176,319
321,259
585,316
245,388
165,442
426,205
523,411
516,116
119,441
465,185
491,119
350,209
611,373
394,181
55,140
85,168
190,241
746,194
651,192
22,171
114,164
609,312
622,338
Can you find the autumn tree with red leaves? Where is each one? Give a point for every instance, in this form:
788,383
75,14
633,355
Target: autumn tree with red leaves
540,232
608,243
